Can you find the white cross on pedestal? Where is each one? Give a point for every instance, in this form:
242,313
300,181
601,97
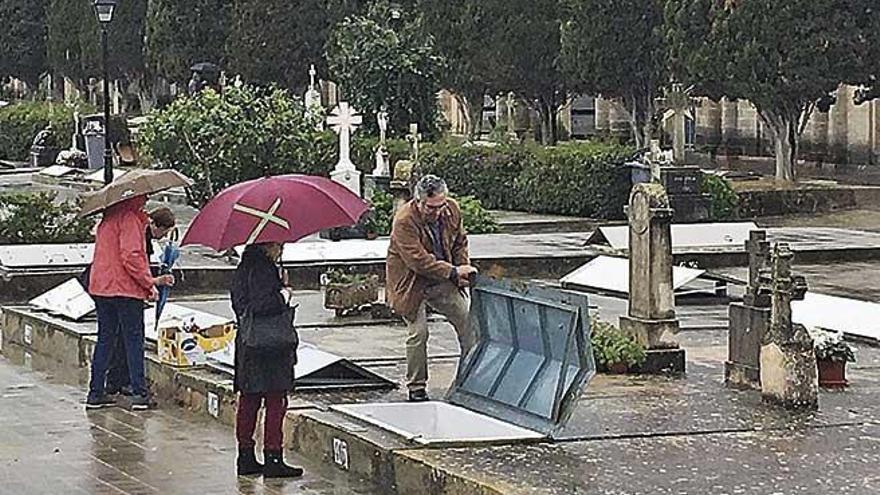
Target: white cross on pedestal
344,120
264,216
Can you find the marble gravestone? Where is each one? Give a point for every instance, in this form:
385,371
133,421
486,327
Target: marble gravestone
380,179
650,318
312,99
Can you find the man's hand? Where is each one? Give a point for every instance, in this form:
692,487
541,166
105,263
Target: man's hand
164,280
465,274
154,294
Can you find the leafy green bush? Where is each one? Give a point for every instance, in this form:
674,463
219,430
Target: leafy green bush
247,132
476,219
585,179
488,173
378,220
35,218
724,200
20,123
363,151
611,346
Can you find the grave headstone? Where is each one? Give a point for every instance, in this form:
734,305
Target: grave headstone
344,120
650,318
789,376
683,185
749,320
312,99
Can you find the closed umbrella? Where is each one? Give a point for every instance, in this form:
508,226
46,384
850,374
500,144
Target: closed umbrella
283,208
167,261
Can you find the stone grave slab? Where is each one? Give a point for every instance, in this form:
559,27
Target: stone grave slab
56,171
684,236
860,319
35,256
69,300
610,274
529,367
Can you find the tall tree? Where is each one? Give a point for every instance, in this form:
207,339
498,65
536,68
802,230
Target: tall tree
182,33
23,40
461,29
65,20
525,40
781,56
275,41
617,50
387,58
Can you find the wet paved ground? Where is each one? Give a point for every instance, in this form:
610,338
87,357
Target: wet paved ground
50,444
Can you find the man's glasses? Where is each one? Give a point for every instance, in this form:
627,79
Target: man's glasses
439,207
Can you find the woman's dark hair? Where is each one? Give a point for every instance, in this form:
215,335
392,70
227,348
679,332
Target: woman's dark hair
163,218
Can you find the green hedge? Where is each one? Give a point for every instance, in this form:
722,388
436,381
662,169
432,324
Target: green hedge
20,123
582,179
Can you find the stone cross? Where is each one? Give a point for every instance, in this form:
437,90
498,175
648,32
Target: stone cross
651,312
758,249
678,103
344,120
788,361
415,138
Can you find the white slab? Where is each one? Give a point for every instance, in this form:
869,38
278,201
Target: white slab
46,255
309,358
436,422
68,299
34,256
691,235
56,171
98,175
176,315
322,251
841,314
612,274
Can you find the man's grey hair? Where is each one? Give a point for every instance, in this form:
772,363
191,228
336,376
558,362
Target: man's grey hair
430,186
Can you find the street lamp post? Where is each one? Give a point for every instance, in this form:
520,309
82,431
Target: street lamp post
104,12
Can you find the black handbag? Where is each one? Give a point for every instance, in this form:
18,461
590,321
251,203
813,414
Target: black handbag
267,333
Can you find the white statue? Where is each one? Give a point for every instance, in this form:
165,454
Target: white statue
382,165
312,99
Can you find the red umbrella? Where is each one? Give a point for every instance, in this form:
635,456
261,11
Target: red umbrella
284,208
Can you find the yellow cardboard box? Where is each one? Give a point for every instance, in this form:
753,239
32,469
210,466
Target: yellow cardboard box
189,346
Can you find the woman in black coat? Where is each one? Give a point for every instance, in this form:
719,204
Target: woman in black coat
261,376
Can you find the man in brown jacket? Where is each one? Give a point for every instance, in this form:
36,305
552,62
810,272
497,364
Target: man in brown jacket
428,265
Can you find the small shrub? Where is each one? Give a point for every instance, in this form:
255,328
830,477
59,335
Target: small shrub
475,218
611,346
378,220
724,200
35,218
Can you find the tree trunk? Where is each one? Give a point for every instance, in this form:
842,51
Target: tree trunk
786,136
547,113
472,104
640,109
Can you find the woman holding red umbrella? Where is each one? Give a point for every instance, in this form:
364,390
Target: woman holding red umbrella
263,214
261,376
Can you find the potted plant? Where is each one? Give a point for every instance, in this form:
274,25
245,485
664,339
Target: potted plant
614,351
832,354
346,292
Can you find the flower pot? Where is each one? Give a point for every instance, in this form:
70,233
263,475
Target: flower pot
618,368
344,297
832,374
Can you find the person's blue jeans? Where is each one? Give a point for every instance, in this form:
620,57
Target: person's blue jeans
119,318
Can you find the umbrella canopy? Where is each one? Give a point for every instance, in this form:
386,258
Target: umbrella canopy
139,182
284,208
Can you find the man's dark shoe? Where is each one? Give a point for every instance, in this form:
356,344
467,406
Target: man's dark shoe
247,462
141,403
100,402
418,396
124,391
275,467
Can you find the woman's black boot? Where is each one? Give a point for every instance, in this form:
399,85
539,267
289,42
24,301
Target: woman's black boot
247,462
275,467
